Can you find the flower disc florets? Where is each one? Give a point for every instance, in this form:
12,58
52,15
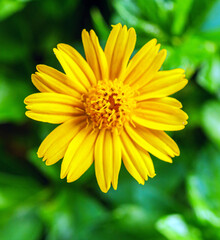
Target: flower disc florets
109,104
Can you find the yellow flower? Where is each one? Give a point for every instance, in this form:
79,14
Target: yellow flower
110,108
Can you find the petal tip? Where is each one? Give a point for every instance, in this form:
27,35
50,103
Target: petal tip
39,154
170,161
142,183
40,67
25,101
68,180
116,25
186,81
84,33
55,50
62,175
164,52
60,46
104,190
152,175
178,154
48,163
153,41
27,113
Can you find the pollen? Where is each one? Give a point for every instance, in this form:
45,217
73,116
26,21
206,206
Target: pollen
109,104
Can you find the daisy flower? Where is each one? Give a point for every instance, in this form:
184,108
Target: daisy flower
111,109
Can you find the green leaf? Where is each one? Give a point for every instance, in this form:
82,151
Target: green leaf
174,227
15,45
203,186
12,94
212,35
71,215
9,7
23,225
187,53
208,77
51,172
101,27
200,9
132,218
212,21
158,12
211,120
59,9
12,50
210,29
155,197
16,190
181,12
128,13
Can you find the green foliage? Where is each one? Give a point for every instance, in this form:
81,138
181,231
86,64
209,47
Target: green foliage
25,225
183,201
174,227
9,7
11,107
203,189
209,75
211,120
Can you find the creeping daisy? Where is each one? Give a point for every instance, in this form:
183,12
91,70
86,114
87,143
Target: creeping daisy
110,108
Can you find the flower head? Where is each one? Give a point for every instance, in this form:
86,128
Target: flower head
110,108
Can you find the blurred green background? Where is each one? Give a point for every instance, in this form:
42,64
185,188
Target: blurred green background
183,201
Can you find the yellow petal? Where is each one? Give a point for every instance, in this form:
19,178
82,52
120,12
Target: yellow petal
68,66
110,44
163,84
118,49
55,144
52,107
145,142
49,118
169,101
135,160
144,52
73,148
102,174
80,167
130,167
74,70
77,58
161,141
159,115
168,141
90,54
82,159
52,98
48,79
108,158
56,151
148,162
116,157
100,56
141,62
152,70
157,123
95,55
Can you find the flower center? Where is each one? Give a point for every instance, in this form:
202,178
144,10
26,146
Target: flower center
109,104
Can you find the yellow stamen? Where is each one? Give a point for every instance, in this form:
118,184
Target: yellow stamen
109,104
